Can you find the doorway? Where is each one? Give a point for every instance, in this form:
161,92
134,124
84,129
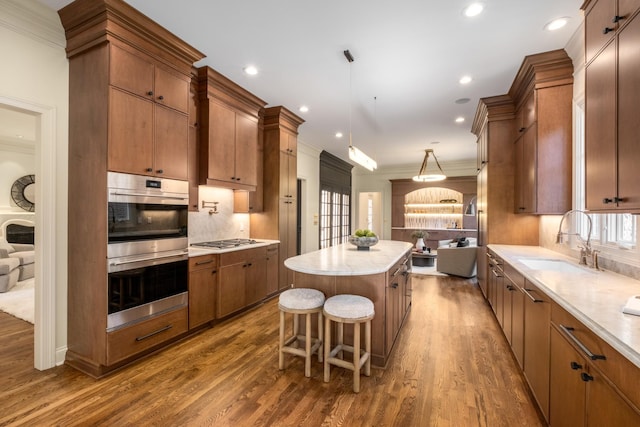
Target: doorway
45,220
370,212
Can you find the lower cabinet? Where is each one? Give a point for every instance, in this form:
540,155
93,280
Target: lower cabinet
243,280
581,393
272,269
203,283
516,284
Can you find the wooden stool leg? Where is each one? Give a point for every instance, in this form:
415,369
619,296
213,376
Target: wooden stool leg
327,349
320,337
281,344
295,328
307,346
356,357
367,344
340,339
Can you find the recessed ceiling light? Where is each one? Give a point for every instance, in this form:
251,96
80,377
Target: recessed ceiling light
20,136
303,109
338,134
435,142
250,70
556,24
464,80
459,119
462,100
473,9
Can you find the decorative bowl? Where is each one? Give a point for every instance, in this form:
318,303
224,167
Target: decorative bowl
363,243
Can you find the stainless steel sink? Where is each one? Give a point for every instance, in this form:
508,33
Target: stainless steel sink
553,265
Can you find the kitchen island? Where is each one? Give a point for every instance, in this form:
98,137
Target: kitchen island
380,274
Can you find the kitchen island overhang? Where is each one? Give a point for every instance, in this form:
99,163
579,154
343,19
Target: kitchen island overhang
380,274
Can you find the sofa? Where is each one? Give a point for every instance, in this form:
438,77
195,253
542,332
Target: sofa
17,262
457,258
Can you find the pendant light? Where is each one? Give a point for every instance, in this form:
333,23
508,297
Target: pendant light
429,176
355,154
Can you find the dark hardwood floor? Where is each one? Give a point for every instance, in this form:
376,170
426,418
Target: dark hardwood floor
451,366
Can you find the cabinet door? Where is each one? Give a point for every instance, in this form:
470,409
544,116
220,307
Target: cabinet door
256,284
202,294
130,133
596,21
600,131
391,313
171,90
292,175
231,289
171,144
221,143
567,390
507,314
605,407
272,270
628,123
537,317
517,324
246,150
130,72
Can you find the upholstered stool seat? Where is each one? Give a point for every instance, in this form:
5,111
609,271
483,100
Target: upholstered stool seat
299,301
351,309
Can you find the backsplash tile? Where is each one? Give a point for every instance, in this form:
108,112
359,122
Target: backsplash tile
225,224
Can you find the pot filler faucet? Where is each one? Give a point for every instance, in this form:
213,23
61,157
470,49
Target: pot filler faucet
588,255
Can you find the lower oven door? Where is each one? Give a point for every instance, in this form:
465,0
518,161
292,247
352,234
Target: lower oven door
140,288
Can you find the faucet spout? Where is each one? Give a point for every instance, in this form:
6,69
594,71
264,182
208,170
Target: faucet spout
586,252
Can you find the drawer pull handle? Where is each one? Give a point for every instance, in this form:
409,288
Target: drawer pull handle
495,273
607,30
531,297
568,332
586,377
144,337
204,262
575,366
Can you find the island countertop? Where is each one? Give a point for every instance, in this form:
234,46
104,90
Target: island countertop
346,260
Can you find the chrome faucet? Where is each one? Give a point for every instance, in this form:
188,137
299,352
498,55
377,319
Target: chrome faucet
588,256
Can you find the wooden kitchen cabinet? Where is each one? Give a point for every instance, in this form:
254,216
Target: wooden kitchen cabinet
203,283
273,272
278,221
230,120
115,53
192,159
581,392
542,92
517,283
242,280
537,318
611,104
148,120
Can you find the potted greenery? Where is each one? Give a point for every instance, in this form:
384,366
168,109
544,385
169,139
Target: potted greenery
420,235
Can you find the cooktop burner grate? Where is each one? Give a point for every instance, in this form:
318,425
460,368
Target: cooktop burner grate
225,244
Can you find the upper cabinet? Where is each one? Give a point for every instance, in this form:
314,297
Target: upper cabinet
612,33
230,120
542,92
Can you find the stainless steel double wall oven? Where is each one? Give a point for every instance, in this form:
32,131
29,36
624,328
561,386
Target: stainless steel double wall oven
147,255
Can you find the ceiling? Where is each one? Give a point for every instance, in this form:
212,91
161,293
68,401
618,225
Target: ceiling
399,95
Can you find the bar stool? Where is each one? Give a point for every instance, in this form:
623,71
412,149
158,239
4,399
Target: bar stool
300,301
353,309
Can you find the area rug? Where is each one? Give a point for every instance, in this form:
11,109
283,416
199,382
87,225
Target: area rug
427,271
19,301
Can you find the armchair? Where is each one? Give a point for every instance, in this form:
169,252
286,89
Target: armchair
458,261
16,263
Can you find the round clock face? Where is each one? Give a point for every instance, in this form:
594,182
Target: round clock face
23,192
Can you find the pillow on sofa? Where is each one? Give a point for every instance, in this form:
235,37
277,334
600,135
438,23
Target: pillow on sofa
462,242
6,246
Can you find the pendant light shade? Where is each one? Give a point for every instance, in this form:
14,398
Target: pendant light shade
427,174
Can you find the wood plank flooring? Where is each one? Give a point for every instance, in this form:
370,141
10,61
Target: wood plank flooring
451,366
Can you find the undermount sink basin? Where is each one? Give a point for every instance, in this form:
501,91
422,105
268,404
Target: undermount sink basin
552,265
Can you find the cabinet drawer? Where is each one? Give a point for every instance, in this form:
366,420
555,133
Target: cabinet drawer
514,276
202,262
235,257
143,336
617,368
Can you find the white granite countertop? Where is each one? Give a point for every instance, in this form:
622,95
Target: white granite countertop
347,260
595,298
198,251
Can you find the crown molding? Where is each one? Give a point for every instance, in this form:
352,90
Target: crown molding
34,20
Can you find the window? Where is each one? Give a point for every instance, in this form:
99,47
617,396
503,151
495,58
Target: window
609,231
335,200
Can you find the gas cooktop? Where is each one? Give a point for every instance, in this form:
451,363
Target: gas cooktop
225,244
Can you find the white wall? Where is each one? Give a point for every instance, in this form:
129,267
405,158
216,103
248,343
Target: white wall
35,71
15,162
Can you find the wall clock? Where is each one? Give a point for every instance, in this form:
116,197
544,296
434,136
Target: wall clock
23,192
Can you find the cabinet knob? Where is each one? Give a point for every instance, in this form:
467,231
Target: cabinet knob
607,30
575,366
607,200
586,377
521,130
160,171
618,199
150,93
161,97
617,19
233,178
149,169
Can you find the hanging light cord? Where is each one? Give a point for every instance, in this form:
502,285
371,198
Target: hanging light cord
349,57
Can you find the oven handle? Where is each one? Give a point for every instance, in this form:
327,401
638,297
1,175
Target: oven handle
160,196
179,257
